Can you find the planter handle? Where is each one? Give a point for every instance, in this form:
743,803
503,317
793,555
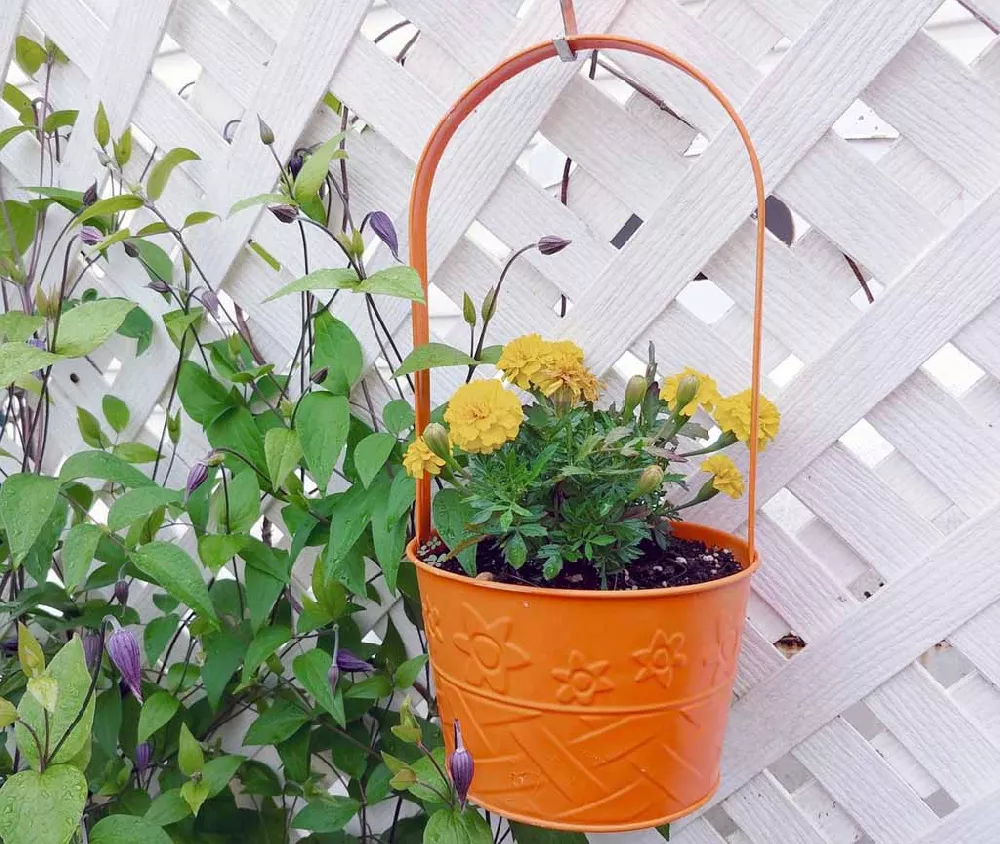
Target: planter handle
420,198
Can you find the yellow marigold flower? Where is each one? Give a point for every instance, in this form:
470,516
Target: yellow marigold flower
706,396
568,377
566,348
732,415
726,478
419,459
523,358
482,416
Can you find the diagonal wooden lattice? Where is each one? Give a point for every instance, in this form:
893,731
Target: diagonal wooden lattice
881,516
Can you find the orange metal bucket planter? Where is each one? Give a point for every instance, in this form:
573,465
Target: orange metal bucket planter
587,710
591,711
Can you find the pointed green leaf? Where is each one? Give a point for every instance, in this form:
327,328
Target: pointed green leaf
17,326
103,466
283,452
20,359
78,553
217,549
329,814
327,279
42,808
259,199
190,757
127,829
116,412
337,349
264,644
138,503
195,793
197,218
160,172
108,206
102,128
87,326
315,169
322,423
371,454
311,669
156,712
218,772
400,281
432,356
171,567
275,725
26,501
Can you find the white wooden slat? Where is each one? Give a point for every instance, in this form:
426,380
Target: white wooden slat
978,821
697,832
878,640
977,639
474,33
941,737
864,784
10,17
762,806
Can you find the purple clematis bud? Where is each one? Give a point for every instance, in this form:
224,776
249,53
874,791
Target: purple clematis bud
550,244
211,301
285,213
124,652
9,646
319,376
90,195
121,591
91,235
131,249
159,286
91,650
333,675
384,229
196,477
34,341
295,164
461,767
143,756
346,661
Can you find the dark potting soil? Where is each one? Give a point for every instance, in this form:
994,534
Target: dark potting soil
684,562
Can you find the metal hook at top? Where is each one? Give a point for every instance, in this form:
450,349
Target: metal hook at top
565,52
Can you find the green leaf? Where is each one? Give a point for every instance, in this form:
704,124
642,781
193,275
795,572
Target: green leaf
311,669
326,279
370,455
8,713
152,229
195,793
337,349
87,326
198,218
17,326
190,757
109,206
259,199
29,652
400,281
389,537
282,452
134,452
102,129
155,261
375,687
26,500
275,725
42,808
138,503
168,808
242,510
315,169
11,132
218,772
22,219
236,429
78,553
171,567
432,356
103,466
408,672
60,120
178,323
156,712
110,240
451,516
139,327
122,148
156,635
20,359
20,102
90,429
217,549
127,829
491,355
29,55
69,669
264,644
351,512
330,814
267,573
265,256
527,834
160,172
224,653
322,423
398,416
203,398
454,826
116,412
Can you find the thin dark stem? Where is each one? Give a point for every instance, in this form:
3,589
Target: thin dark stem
860,276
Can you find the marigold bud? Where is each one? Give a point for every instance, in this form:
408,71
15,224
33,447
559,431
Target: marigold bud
461,767
437,439
650,480
635,392
687,389
550,244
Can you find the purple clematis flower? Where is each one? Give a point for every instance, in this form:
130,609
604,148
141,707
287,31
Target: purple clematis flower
124,652
461,767
143,756
384,229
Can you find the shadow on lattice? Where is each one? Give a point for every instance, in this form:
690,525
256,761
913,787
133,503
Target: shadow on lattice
960,30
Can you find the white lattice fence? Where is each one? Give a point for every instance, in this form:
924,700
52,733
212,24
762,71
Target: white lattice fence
881,515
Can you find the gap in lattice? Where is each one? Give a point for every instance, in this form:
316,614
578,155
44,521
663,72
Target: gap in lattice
174,67
905,764
489,242
962,32
766,619
543,162
717,818
866,443
787,511
866,722
785,371
388,29
866,585
790,773
952,370
860,122
839,558
705,300
946,664
941,803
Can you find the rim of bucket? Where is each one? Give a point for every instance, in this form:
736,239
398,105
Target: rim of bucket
631,594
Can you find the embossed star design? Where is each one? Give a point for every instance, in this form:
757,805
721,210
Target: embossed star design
660,658
582,680
432,621
491,654
726,651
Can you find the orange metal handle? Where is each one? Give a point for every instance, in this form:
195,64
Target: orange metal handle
420,198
